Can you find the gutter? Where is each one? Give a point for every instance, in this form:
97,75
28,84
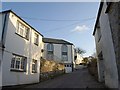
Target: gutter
3,31
98,16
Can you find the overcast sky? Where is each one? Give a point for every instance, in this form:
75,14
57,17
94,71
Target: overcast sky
73,22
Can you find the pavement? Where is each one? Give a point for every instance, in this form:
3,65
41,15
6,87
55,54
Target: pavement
80,78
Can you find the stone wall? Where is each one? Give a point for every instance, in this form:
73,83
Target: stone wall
114,19
50,69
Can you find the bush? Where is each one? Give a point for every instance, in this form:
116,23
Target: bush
50,69
92,67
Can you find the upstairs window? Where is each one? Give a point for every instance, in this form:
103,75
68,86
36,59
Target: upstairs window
18,63
50,49
22,30
36,38
64,52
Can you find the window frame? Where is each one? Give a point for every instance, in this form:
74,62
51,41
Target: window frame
34,63
50,47
63,51
36,39
17,67
22,30
50,51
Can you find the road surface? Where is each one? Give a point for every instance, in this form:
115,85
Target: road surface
77,79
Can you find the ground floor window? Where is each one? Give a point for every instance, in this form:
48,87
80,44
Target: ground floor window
68,65
18,63
34,66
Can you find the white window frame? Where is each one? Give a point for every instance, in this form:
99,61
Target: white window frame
50,51
22,30
50,47
36,38
34,64
22,63
64,49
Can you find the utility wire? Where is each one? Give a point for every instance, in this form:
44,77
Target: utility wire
66,26
59,20
40,19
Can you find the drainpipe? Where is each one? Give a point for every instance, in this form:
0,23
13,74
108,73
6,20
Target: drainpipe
2,46
3,31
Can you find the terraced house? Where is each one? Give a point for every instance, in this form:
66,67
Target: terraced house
20,50
61,51
22,47
107,38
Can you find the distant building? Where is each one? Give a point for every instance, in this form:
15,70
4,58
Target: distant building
20,51
107,38
78,58
59,50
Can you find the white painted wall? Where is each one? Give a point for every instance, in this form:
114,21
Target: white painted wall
58,56
57,51
106,45
0,26
78,59
0,68
68,69
16,44
72,56
100,63
0,51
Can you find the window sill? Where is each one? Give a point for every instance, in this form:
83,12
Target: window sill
64,60
21,36
34,71
15,70
36,44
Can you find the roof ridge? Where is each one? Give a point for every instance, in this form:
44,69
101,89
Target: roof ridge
57,41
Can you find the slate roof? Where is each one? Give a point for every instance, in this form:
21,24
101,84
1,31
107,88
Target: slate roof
56,41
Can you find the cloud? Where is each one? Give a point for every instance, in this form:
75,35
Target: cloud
80,28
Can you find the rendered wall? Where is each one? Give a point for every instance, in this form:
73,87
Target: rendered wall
58,56
111,74
18,45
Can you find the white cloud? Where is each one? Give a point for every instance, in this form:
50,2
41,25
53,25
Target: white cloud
80,28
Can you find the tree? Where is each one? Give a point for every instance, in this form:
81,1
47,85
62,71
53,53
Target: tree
80,51
85,61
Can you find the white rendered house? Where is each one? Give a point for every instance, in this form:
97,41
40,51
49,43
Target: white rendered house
61,51
106,33
21,51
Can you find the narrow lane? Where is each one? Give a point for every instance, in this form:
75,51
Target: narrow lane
77,79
